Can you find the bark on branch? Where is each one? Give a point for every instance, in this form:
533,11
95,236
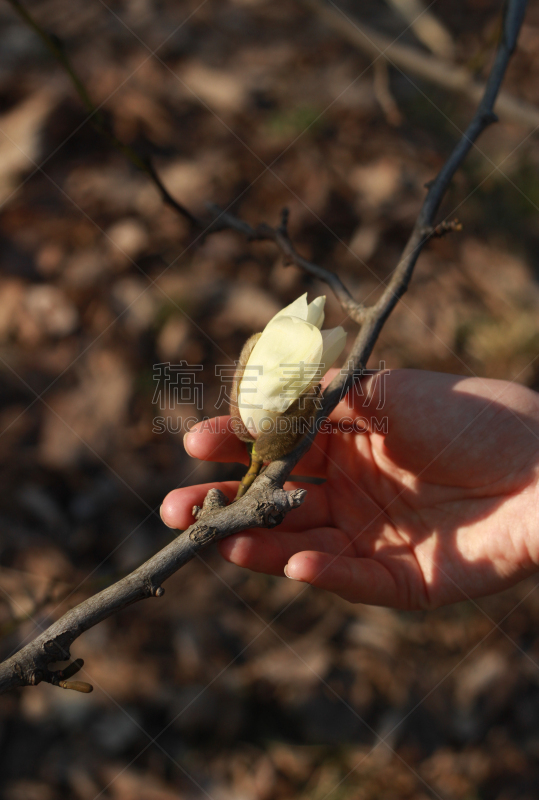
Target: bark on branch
267,502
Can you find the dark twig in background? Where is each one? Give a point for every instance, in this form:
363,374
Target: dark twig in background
427,67
97,118
266,503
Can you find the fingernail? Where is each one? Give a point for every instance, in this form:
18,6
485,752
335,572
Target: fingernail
166,523
287,575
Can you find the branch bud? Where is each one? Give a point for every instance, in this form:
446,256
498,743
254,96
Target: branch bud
276,391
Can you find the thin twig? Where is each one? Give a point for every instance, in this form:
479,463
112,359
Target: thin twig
427,28
266,503
382,92
226,221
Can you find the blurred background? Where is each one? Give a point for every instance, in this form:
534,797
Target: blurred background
237,685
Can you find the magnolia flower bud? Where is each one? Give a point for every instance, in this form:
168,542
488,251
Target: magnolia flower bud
275,387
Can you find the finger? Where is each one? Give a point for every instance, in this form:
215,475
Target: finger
358,580
212,440
177,507
269,551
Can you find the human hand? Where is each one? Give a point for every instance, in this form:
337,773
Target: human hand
441,508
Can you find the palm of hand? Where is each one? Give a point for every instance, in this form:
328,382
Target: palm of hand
440,508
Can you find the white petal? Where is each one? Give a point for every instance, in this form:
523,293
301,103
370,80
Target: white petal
257,420
281,365
334,341
315,311
297,309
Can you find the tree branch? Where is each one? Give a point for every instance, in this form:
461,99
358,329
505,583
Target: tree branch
222,220
266,503
263,509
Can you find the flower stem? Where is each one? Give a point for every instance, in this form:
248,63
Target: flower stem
255,465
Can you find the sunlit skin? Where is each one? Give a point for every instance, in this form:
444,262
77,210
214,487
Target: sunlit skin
442,508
